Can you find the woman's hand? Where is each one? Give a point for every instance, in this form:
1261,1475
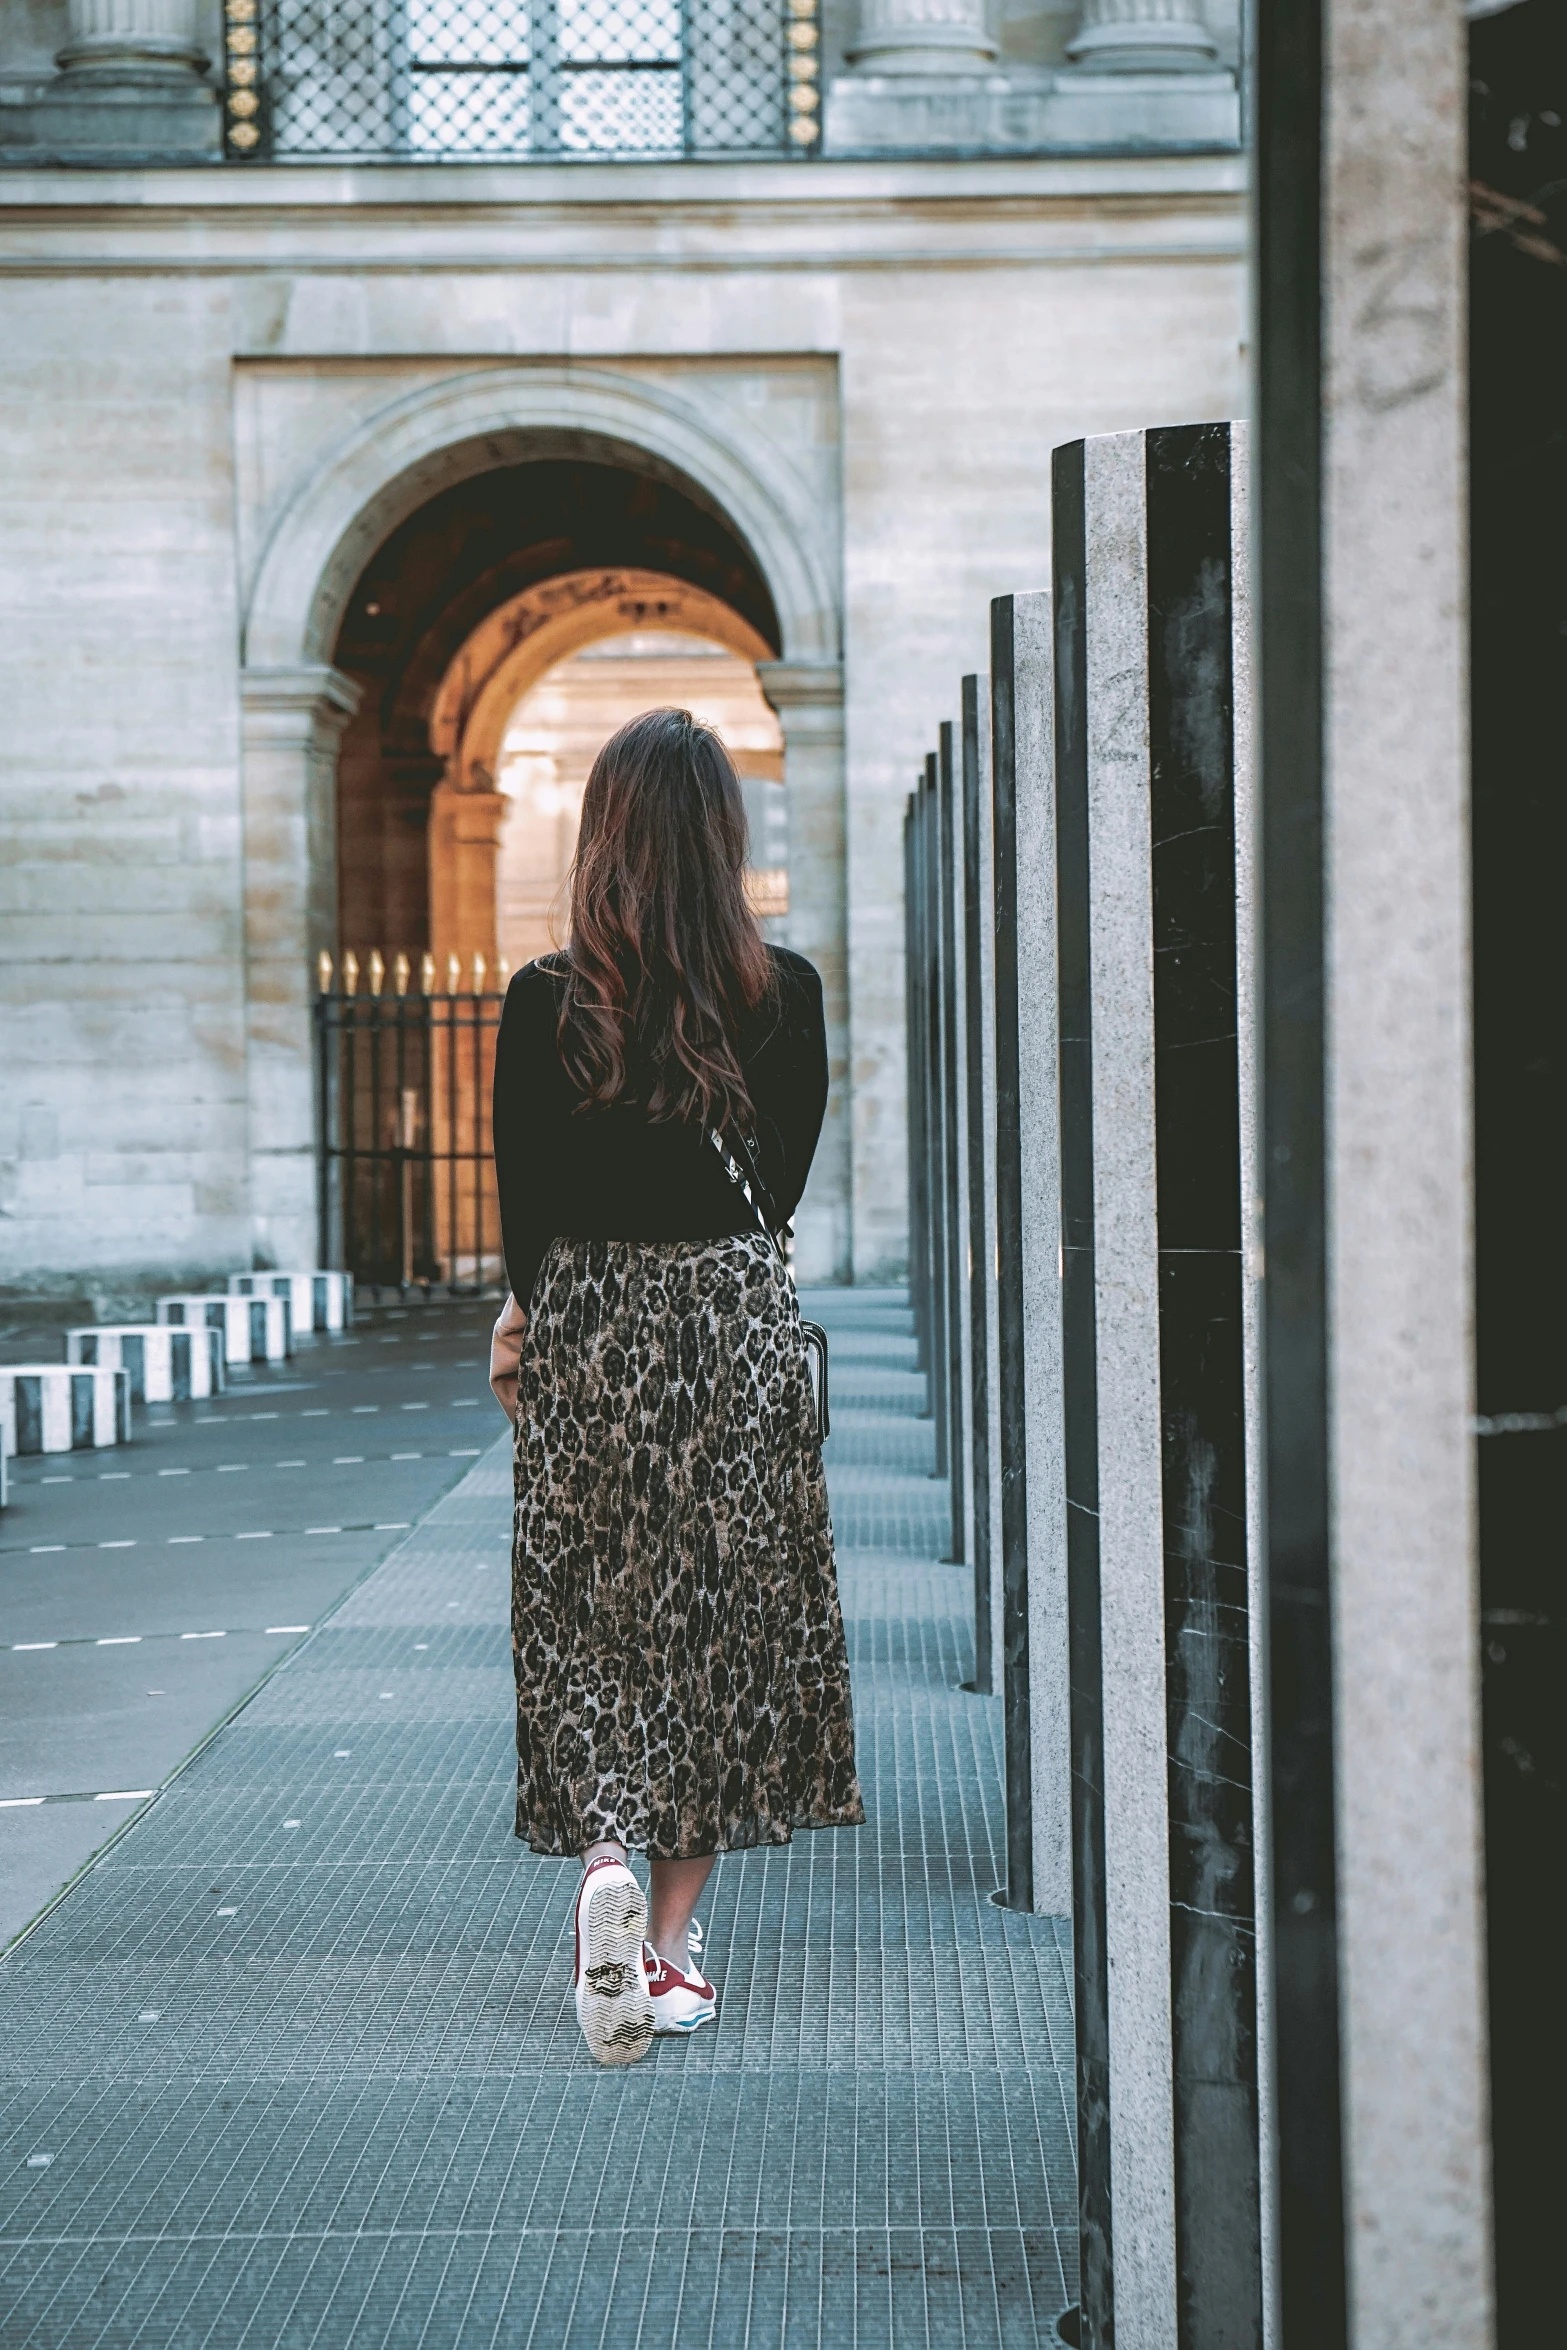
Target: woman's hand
505,1354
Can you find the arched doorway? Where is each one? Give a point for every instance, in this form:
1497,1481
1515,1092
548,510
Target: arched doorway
522,709
463,605
558,496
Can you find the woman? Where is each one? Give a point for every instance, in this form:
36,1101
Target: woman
682,1686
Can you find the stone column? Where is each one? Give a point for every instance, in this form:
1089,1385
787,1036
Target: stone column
954,1145
132,83
1388,2092
293,721
1035,1678
808,697
1143,36
1144,73
1159,1365
979,1062
923,36
465,841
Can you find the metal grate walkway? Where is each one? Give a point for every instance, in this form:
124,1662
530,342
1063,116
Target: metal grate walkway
296,2063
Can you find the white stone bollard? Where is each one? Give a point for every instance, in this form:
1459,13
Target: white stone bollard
317,1301
62,1407
255,1329
165,1362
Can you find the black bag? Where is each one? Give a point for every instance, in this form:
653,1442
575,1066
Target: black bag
750,1182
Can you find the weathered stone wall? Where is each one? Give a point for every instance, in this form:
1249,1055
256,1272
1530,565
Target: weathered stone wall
885,353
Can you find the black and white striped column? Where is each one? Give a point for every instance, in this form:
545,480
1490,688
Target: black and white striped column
928,804
1158,1366
1032,1530
954,1119
255,1329
982,1354
164,1362
62,1407
316,1300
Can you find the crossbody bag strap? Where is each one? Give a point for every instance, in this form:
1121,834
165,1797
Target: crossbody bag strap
748,1180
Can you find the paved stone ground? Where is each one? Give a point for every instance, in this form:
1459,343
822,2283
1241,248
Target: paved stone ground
295,2062
144,1590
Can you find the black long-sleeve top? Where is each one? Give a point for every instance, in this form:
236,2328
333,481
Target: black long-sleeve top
611,1174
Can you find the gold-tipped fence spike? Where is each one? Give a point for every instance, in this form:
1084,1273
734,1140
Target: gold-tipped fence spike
350,973
478,974
324,972
427,975
502,974
400,974
453,975
377,970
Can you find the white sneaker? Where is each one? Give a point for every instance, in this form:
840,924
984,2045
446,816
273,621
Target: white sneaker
614,2007
681,2001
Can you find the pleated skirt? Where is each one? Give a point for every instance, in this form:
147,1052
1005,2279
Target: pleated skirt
682,1680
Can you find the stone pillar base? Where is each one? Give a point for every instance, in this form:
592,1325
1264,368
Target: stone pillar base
1106,106
73,121
932,112
1030,112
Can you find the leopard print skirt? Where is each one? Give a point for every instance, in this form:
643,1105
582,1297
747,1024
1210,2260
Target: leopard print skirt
682,1683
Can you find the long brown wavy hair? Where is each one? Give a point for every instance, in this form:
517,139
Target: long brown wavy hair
666,960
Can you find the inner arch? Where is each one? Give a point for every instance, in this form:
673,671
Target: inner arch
472,548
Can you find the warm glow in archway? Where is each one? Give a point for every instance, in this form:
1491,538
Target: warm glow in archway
547,629
513,647
555,733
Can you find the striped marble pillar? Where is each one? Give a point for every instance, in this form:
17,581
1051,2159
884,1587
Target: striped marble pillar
1035,1681
979,1082
1160,1384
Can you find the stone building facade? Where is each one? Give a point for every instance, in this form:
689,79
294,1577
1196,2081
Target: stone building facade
288,442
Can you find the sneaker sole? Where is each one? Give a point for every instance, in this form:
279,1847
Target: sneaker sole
615,2007
692,2024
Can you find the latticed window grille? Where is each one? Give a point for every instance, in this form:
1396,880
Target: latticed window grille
498,80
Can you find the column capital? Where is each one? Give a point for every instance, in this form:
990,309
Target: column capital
312,702
790,685
808,697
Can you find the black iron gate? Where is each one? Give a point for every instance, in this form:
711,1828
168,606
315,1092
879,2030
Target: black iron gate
405,1176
